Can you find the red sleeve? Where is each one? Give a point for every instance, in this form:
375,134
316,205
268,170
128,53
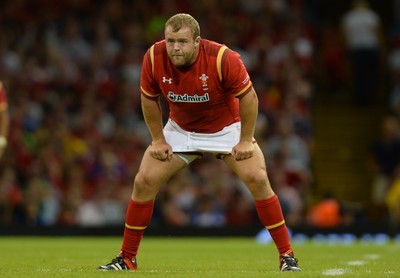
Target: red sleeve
235,76
148,86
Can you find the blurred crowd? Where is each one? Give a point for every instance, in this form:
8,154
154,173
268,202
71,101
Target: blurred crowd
72,70
385,150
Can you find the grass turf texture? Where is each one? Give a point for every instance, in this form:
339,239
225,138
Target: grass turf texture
191,257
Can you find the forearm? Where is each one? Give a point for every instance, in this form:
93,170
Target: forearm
248,113
153,117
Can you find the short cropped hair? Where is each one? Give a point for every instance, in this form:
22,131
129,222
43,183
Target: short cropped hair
184,20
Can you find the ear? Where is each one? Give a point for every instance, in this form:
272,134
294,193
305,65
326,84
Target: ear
197,41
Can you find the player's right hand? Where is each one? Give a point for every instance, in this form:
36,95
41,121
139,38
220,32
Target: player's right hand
161,150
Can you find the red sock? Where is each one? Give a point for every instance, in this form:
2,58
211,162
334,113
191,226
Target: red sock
138,217
270,213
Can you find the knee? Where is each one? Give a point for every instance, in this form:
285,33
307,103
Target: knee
143,185
258,184
256,178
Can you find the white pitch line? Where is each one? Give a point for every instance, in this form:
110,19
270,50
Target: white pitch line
334,272
372,256
342,271
356,262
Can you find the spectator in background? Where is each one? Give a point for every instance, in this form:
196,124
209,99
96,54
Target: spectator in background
393,200
362,35
326,213
385,154
4,119
286,140
394,71
332,61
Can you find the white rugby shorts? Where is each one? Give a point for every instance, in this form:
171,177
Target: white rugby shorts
182,141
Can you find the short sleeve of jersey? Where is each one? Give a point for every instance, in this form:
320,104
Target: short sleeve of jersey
235,76
148,85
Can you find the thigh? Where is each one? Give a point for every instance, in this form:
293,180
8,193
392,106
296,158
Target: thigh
247,167
155,173
252,172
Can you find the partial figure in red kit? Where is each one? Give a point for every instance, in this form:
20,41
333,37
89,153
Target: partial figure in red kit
4,119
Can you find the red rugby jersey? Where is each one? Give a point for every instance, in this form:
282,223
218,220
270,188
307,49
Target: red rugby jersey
202,97
3,97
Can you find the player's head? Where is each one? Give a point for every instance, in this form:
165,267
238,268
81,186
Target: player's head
182,36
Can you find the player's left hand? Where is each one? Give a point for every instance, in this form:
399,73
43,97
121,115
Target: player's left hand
161,150
243,150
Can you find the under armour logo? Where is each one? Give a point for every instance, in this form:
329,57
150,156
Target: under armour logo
169,80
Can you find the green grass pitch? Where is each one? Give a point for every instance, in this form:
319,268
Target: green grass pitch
192,257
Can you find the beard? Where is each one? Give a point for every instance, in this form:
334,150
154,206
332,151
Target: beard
182,60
